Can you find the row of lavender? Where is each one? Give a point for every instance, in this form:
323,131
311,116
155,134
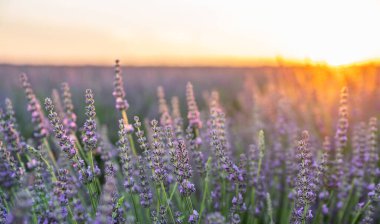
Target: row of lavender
176,170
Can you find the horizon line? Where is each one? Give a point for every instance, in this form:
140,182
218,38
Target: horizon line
234,63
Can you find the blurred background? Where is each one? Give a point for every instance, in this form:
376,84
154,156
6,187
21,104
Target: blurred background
264,57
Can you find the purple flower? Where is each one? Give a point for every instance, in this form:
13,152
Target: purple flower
193,114
125,157
90,137
69,119
119,93
177,118
215,218
305,194
341,136
193,218
105,207
183,169
163,108
158,154
8,169
20,212
11,135
146,197
372,147
34,107
65,142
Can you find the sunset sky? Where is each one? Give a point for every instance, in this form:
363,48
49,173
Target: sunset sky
188,32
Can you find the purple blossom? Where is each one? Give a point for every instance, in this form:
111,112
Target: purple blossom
125,157
305,194
69,119
193,114
34,107
90,137
119,93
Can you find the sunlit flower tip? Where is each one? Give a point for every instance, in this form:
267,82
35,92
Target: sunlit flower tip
119,93
372,147
10,113
69,120
34,107
193,114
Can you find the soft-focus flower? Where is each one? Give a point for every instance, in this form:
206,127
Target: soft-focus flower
69,119
34,107
118,92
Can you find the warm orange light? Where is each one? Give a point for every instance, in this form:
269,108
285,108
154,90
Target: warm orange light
214,32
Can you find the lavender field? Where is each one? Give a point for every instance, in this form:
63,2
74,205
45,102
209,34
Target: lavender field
214,145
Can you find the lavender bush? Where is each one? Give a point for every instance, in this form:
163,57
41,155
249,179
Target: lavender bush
197,168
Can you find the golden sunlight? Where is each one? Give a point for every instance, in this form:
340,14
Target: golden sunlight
189,32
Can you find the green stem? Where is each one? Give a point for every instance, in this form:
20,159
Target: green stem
130,138
167,202
4,200
343,211
50,152
71,214
20,161
356,218
93,203
205,190
306,208
80,149
172,194
132,144
134,207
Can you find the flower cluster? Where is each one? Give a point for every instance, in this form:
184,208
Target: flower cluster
240,175
66,143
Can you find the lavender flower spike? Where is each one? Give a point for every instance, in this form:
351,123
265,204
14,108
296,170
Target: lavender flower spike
10,134
69,120
34,107
193,113
341,134
305,194
125,157
183,169
105,208
90,136
119,93
165,119
373,147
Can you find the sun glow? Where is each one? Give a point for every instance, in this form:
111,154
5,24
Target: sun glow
173,32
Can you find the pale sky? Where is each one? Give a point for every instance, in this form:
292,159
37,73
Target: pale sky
187,32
